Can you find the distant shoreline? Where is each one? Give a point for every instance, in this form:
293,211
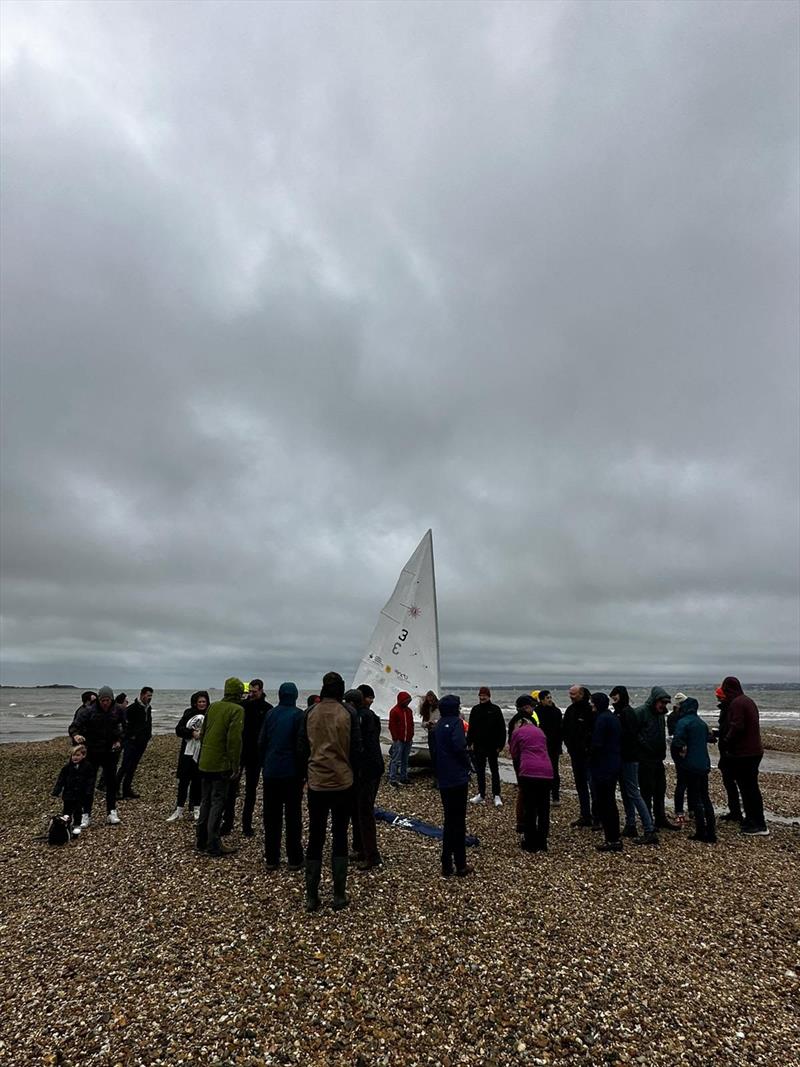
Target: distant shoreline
55,685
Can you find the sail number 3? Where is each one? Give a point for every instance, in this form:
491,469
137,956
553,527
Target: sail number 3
399,642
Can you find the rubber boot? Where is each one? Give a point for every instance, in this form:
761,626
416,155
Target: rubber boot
339,869
313,875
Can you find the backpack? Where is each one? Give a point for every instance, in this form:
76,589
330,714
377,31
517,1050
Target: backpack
58,832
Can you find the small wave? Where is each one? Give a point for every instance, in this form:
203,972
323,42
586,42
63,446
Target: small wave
12,705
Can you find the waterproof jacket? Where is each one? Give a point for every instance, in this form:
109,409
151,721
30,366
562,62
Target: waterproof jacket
551,721
692,732
605,758
222,732
529,751
652,728
577,727
675,717
742,730
487,728
102,729
329,746
629,727
254,714
76,782
401,722
138,721
452,757
372,763
277,742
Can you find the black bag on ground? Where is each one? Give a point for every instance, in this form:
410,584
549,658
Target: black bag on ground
58,832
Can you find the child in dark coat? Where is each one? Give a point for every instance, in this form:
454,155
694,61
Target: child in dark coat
76,782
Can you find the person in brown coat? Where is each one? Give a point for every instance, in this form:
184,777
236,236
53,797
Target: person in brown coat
743,750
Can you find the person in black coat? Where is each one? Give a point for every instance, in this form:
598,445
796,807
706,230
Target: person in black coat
367,779
551,722
578,726
486,738
189,730
137,732
76,783
99,728
255,707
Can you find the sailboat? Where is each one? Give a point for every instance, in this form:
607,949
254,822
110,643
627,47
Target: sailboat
403,652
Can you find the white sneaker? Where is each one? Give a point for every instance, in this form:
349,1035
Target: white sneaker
177,814
196,814
498,802
76,831
113,819
477,799
86,821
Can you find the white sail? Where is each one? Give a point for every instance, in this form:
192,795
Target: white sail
403,652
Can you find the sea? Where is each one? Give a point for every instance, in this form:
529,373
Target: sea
42,713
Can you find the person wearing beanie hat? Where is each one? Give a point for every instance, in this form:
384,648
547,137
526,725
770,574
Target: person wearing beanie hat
452,768
283,782
401,728
219,763
486,738
605,762
98,726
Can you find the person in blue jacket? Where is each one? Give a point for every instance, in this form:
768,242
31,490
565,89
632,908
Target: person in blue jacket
605,762
283,779
452,769
691,742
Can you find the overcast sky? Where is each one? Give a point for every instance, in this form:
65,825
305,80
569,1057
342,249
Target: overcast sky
285,285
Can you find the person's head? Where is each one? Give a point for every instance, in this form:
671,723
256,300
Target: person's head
586,695
121,700
256,690
145,695
200,701
312,699
367,692
234,688
659,700
88,697
545,698
732,688
105,697
576,693
431,699
449,705
619,696
332,687
403,698
719,693
355,698
525,704
287,694
677,700
599,702
78,754
484,694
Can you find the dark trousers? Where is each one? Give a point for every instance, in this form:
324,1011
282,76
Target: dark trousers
653,787
731,788
212,804
106,763
454,848
535,812
555,783
189,784
432,753
73,808
365,835
132,752
681,783
580,772
745,774
283,800
606,792
320,803
479,759
250,772
700,804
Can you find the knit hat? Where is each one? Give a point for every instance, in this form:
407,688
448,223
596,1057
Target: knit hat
450,705
678,699
105,691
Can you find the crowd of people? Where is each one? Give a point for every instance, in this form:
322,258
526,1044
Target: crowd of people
331,751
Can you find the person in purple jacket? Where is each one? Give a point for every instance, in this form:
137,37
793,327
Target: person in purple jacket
605,762
529,751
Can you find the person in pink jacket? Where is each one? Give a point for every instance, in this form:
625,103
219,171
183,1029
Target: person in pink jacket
529,751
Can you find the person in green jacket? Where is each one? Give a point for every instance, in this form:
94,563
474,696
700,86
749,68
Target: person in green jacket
652,743
219,763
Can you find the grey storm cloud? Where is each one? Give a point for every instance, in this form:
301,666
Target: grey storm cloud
286,284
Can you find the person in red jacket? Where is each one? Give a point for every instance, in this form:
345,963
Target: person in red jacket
740,740
401,727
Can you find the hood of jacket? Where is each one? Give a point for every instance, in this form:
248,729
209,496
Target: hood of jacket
196,696
656,693
234,688
287,695
689,706
732,688
449,705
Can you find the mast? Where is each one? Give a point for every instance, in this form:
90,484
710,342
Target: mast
435,613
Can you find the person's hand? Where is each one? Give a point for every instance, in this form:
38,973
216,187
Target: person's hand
195,733
78,739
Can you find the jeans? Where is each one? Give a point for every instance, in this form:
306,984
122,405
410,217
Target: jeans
189,784
251,773
454,848
681,782
580,772
653,785
320,803
535,812
700,804
479,759
212,804
731,788
365,836
106,762
398,761
283,799
132,752
745,774
606,789
632,798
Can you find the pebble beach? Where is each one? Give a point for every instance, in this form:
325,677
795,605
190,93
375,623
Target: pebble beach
127,947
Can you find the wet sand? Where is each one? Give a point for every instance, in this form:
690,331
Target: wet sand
130,948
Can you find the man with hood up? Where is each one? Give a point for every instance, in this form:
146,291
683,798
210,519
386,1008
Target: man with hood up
691,740
401,728
283,780
744,751
652,716
219,762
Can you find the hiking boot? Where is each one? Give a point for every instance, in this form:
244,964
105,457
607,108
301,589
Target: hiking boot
177,814
581,822
113,818
648,839
339,870
610,846
477,799
630,831
313,876
498,801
